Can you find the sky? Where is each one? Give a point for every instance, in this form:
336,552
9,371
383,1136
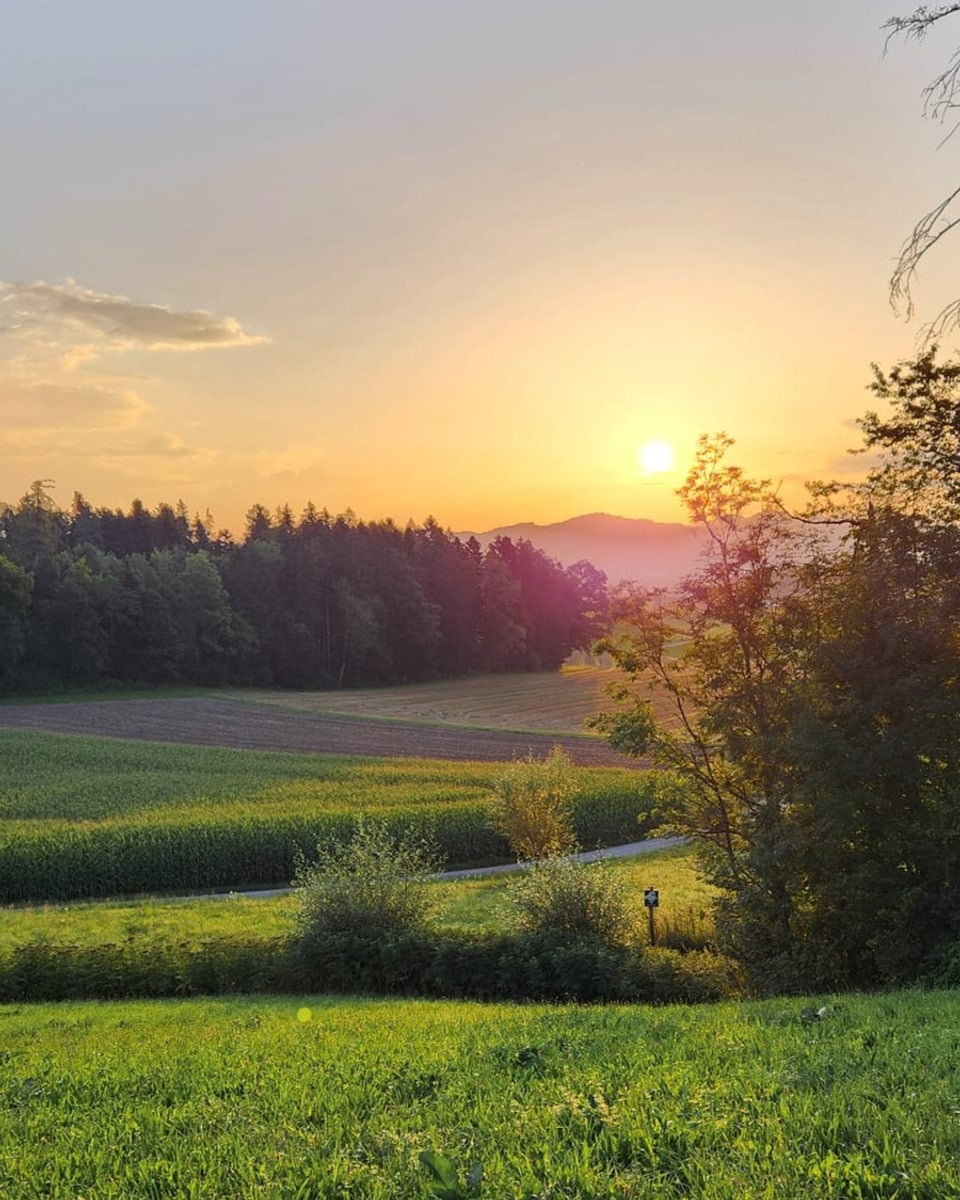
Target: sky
431,257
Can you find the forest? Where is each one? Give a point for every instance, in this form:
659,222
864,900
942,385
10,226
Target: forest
93,596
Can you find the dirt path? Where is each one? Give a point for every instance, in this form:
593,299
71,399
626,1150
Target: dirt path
211,721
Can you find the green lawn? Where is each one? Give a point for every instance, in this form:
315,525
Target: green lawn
464,904
306,1098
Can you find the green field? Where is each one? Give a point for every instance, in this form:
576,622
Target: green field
304,1098
85,816
480,903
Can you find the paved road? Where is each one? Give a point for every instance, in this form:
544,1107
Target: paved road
630,850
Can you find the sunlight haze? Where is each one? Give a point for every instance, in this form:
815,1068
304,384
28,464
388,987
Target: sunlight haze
469,260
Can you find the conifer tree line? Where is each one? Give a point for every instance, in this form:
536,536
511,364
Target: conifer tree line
90,596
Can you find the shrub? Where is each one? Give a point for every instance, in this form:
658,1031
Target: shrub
375,885
561,897
534,805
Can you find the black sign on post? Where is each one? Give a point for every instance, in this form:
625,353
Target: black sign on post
651,898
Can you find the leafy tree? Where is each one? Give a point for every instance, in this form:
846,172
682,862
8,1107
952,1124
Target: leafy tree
533,808
733,692
919,438
816,723
16,585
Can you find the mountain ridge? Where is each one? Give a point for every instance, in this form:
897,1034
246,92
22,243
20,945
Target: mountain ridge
648,552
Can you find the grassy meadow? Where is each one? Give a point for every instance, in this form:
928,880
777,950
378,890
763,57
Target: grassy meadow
480,903
304,1098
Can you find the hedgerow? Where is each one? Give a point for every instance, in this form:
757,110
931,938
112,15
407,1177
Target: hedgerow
431,963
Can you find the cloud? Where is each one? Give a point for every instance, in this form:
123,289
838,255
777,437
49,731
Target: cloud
290,462
163,455
39,406
83,324
61,404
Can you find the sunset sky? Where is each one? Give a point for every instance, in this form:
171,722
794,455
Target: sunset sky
464,259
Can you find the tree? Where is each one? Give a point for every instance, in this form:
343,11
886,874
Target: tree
941,97
15,588
534,805
919,438
815,721
731,694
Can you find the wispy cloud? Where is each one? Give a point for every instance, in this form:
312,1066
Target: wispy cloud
82,408
83,324
61,399
167,453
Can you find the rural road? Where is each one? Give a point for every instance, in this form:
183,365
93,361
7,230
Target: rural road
629,850
211,721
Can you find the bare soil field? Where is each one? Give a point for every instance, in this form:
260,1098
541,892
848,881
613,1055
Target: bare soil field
216,721
545,701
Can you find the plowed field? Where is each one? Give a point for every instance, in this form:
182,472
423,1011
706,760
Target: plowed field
211,721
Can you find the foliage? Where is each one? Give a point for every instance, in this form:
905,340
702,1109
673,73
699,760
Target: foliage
92,596
426,962
238,1099
919,437
534,805
377,884
817,718
735,690
562,898
472,904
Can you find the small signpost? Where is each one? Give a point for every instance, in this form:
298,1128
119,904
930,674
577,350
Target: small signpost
651,898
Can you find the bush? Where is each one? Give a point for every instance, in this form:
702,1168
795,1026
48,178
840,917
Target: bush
476,966
564,898
375,885
534,805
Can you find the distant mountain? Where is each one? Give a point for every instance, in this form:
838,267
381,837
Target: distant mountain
652,553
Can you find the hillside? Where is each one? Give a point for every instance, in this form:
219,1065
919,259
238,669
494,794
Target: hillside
653,553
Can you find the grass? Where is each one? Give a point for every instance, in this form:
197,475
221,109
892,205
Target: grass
307,1098
469,904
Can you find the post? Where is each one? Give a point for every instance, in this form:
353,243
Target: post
651,898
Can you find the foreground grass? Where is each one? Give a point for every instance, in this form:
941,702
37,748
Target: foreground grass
306,1098
473,904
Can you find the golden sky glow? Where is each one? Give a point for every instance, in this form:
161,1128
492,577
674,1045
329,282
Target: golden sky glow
449,259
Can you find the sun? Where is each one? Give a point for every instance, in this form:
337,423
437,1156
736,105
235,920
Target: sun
655,458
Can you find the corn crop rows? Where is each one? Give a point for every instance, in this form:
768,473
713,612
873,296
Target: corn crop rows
87,817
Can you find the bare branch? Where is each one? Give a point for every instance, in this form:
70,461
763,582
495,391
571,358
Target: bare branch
940,98
926,233
920,21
